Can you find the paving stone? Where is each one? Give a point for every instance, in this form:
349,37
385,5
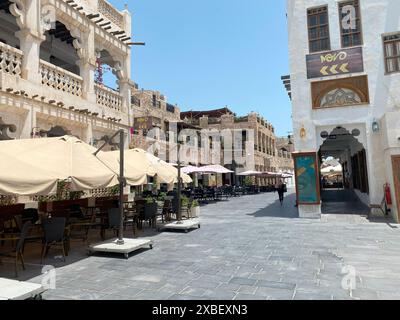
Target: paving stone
275,293
243,281
245,244
274,284
243,296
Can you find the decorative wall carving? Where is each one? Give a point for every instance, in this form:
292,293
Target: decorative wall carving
17,9
10,59
5,128
108,98
60,79
340,97
340,92
109,12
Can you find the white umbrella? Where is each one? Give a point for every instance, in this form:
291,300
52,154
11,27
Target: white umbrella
214,169
137,166
166,173
250,173
34,166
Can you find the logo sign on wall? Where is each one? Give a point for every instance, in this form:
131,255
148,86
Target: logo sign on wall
335,63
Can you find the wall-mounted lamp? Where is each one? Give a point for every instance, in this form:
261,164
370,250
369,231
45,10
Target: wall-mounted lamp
303,132
375,126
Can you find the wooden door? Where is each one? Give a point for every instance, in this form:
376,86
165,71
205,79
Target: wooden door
396,178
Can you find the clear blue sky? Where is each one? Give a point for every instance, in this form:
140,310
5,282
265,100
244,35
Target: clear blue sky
211,53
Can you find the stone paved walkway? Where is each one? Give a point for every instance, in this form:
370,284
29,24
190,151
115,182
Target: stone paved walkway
247,248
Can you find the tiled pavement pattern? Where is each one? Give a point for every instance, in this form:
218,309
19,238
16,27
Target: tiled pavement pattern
247,248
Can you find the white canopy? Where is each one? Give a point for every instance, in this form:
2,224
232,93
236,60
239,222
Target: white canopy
166,173
137,167
250,173
34,166
214,169
332,169
191,169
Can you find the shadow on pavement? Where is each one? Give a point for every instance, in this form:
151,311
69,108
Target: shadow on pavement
286,211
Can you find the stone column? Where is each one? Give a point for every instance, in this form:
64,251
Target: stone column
87,69
30,46
28,17
29,124
85,46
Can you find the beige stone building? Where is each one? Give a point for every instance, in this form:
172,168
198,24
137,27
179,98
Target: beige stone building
266,157
49,54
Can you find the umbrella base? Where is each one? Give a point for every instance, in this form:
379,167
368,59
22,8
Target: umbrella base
129,246
184,225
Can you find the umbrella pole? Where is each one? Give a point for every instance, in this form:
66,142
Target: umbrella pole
179,213
121,188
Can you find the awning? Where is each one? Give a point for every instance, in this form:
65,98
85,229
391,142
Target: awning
214,169
250,174
34,166
137,167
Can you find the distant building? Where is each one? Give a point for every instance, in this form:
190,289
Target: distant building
264,147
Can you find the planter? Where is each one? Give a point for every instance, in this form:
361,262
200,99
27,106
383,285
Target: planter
195,212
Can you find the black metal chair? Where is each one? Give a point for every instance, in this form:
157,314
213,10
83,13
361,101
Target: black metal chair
31,215
150,213
54,235
18,252
114,220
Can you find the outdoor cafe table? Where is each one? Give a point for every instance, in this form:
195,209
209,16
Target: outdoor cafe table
19,290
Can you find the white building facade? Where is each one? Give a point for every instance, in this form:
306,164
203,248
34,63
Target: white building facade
49,53
345,80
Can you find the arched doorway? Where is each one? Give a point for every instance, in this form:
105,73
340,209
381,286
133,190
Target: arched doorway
9,26
344,172
109,71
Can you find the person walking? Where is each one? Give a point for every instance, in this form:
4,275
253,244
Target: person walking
280,187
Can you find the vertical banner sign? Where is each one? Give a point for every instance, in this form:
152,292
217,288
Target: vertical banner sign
307,178
335,63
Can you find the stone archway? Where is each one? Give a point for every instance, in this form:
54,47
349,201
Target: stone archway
62,47
342,146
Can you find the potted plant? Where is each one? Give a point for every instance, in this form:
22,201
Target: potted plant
195,209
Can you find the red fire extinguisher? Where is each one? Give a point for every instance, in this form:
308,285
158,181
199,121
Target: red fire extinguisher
388,195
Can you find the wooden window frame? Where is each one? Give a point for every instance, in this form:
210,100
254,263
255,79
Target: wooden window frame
385,54
318,26
358,20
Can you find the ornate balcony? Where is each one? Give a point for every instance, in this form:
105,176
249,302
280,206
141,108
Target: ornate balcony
108,98
10,60
60,79
110,13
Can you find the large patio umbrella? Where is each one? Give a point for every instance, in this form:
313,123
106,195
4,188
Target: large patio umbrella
137,166
190,170
34,166
166,173
214,169
250,174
